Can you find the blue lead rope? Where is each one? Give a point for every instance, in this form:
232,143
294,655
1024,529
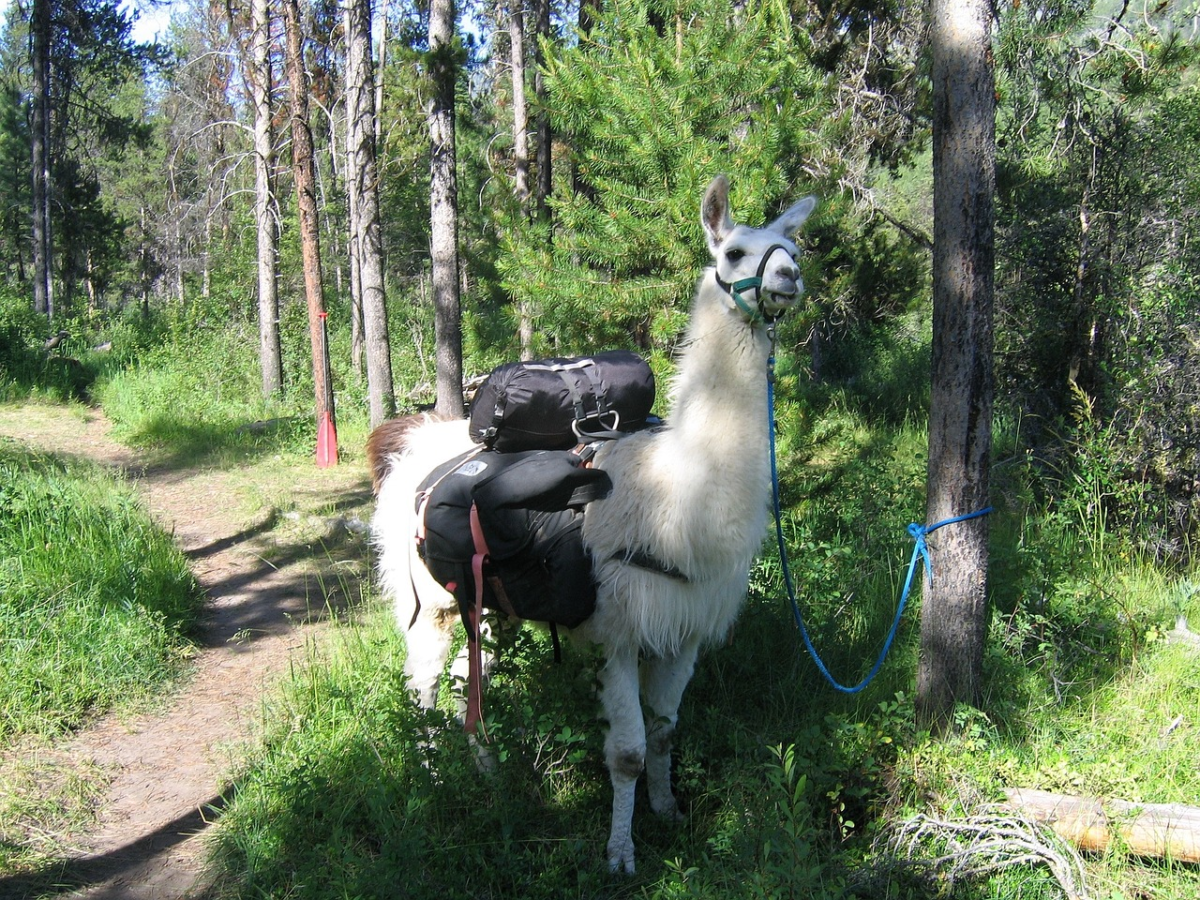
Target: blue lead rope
920,550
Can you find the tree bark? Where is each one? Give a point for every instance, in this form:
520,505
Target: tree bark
443,202
303,174
41,25
954,610
270,355
362,178
544,137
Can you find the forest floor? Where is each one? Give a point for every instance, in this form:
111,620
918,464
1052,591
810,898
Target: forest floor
275,549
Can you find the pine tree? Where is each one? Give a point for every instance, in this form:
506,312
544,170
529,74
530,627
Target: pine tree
650,119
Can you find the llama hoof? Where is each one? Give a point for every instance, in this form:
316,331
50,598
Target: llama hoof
620,857
664,805
485,759
672,814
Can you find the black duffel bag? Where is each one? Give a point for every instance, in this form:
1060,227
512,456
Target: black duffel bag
528,517
554,404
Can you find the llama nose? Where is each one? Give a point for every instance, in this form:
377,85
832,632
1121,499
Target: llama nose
787,278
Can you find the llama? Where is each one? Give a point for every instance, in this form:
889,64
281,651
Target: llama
671,546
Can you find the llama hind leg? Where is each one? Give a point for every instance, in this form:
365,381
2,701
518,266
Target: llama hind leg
624,750
663,682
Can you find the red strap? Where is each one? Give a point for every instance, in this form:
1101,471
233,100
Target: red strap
475,621
481,550
474,717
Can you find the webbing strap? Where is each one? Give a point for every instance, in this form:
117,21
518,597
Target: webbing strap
474,719
756,313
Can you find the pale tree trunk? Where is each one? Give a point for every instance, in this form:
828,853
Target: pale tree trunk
270,355
303,173
954,608
357,341
349,97
516,36
43,291
362,178
381,55
443,202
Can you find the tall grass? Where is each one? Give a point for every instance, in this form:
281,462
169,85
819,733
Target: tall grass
96,602
198,396
790,788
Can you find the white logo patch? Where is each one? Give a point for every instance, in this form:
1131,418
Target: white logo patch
471,467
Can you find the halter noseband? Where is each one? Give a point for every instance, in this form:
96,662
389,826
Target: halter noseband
757,312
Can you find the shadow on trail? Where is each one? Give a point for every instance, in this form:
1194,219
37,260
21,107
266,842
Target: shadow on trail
113,873
288,575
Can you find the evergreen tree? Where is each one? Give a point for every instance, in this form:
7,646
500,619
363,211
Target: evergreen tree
82,58
649,119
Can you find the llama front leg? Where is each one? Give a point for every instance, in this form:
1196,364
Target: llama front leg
663,682
624,749
428,642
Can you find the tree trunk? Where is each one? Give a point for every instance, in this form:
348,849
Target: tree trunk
40,25
270,355
516,36
954,609
545,165
443,203
303,173
357,342
362,178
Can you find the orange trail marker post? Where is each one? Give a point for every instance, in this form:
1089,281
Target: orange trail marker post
327,448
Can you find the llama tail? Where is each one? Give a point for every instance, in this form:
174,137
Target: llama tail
387,441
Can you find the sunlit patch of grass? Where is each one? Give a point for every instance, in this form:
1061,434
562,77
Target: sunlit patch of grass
96,602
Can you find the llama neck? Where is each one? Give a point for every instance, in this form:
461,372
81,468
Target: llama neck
720,390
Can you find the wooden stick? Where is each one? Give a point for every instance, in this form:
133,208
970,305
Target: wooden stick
1092,825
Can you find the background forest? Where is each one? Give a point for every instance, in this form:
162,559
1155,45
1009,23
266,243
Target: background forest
585,136
577,222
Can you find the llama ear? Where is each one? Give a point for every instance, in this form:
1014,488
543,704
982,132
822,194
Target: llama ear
714,212
793,217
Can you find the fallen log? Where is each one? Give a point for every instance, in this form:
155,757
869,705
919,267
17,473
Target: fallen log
1170,831
1181,634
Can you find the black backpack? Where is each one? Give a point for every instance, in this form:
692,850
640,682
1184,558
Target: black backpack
505,528
555,404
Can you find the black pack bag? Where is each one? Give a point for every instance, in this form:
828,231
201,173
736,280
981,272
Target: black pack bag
527,531
554,404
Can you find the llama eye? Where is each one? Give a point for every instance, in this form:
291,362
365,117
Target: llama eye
734,255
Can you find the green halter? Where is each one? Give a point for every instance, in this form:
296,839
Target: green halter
757,313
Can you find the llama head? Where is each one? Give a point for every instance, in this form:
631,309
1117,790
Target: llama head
758,259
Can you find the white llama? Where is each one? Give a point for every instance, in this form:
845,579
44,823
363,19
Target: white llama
672,545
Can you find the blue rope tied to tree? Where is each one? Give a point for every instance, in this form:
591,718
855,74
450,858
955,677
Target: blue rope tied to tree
920,550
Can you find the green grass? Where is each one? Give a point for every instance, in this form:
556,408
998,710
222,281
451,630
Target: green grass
791,789
197,399
96,602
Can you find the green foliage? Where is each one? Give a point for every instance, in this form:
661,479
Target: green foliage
29,370
651,121
1096,249
95,601
197,391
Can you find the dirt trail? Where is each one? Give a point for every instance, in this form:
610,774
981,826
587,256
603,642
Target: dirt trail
169,768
